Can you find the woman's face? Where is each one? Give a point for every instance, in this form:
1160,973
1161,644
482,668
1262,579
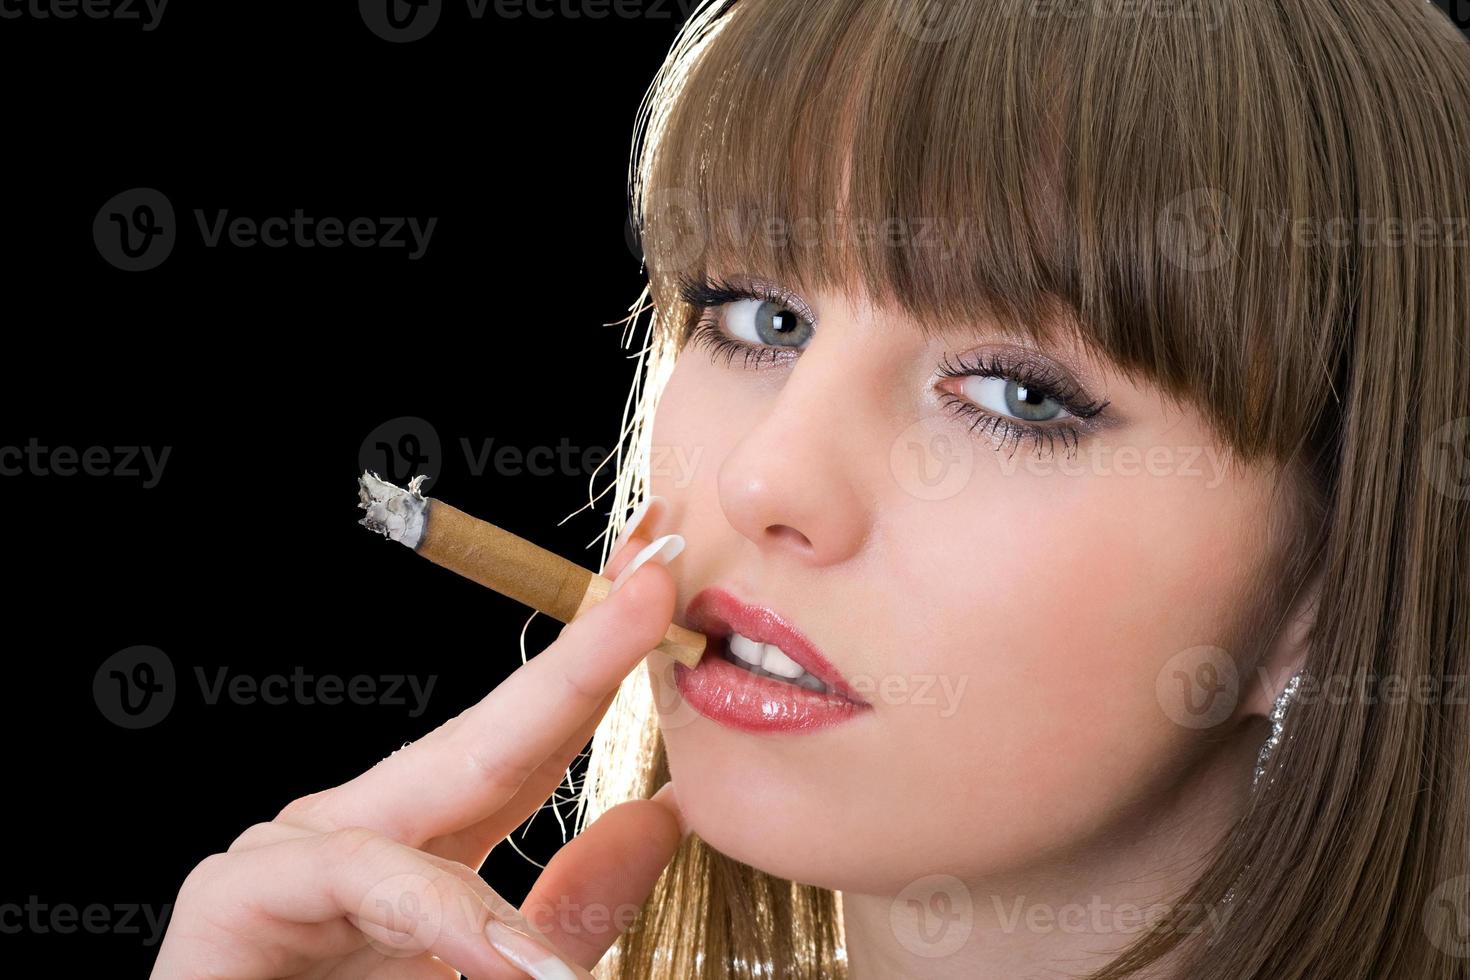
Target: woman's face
1037,619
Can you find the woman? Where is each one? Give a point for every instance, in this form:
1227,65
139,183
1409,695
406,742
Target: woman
1079,402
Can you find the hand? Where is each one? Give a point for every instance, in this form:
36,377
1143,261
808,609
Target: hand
379,876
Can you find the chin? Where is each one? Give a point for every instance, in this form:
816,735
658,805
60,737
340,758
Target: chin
793,827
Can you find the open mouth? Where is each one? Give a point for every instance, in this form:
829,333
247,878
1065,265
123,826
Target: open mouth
758,640
768,660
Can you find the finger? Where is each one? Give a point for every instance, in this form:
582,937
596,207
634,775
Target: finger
619,559
473,765
640,526
593,887
472,844
405,903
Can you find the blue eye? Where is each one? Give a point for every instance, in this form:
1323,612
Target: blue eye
762,321
1009,397
758,319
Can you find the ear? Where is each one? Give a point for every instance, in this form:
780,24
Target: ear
1287,653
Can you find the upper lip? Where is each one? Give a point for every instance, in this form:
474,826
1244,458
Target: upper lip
716,613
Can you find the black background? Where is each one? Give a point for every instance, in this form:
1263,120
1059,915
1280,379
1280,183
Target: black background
271,375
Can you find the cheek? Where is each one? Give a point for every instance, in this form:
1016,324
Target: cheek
1057,618
697,420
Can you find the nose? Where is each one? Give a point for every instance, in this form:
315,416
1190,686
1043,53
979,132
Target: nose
794,482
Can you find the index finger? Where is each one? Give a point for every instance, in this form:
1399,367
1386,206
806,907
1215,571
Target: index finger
470,766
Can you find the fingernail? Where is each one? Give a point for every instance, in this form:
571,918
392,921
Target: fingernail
634,519
527,953
662,550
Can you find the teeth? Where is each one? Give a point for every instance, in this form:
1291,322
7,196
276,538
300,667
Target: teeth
769,660
747,649
778,663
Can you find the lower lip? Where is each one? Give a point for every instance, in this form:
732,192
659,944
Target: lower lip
738,699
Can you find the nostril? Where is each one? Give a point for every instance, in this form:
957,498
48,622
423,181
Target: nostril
785,532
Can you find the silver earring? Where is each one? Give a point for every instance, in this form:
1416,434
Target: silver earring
1278,724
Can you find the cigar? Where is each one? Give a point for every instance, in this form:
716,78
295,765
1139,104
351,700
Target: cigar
496,558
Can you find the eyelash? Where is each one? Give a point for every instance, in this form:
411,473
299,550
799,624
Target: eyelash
706,296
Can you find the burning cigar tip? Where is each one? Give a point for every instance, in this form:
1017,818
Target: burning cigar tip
393,512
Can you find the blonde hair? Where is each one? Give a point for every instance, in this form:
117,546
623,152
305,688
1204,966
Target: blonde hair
1134,167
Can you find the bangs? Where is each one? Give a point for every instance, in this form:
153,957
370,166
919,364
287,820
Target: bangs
1118,170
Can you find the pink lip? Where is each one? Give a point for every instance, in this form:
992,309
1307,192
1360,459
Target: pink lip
727,694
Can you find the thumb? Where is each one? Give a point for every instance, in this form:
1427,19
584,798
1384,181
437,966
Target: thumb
594,886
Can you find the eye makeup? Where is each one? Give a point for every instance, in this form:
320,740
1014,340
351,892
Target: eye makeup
1009,393
1025,379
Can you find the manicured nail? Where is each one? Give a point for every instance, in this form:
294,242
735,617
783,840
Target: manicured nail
634,519
527,953
662,550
